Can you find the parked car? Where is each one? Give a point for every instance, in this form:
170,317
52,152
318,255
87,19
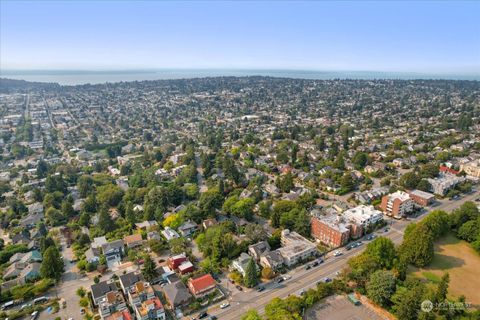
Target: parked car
213,318
40,300
308,267
301,292
224,305
280,280
326,280
337,253
34,315
239,288
202,315
26,305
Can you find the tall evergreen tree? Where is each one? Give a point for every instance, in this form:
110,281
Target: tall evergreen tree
52,264
251,278
149,269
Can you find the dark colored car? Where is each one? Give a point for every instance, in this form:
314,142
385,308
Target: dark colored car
280,280
308,267
239,288
202,315
260,289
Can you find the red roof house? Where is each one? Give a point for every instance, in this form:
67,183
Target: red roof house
448,170
202,285
174,261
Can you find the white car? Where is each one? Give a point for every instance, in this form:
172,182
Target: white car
337,253
224,305
287,277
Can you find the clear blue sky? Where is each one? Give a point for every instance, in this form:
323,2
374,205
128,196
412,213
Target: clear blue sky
373,36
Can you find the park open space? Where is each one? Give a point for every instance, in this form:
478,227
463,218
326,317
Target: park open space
462,263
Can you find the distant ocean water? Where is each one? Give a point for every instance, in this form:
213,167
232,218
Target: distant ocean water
74,77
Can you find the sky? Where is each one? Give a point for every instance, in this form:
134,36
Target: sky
400,36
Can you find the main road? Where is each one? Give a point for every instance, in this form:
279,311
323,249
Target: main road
302,279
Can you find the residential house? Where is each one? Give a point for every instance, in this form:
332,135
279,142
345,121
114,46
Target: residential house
113,252
201,286
112,302
176,294
258,249
128,280
100,290
272,259
151,309
240,264
170,234
187,228
133,241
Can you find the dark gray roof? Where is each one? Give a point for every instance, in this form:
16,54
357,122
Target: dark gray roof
177,293
130,279
117,244
102,288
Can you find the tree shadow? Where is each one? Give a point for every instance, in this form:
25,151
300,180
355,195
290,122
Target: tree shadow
443,262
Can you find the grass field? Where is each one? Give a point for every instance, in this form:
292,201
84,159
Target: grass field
462,263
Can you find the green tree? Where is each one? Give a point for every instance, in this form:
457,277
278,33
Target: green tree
347,183
109,195
469,231
442,288
149,269
285,182
105,222
339,162
85,185
424,185
360,160
251,315
361,267
408,304
409,180
268,273
81,292
429,170
417,247
251,278
383,250
437,222
381,287
210,200
52,264
42,169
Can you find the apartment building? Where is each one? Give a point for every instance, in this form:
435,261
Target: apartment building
422,198
471,168
295,248
397,204
363,215
444,183
330,230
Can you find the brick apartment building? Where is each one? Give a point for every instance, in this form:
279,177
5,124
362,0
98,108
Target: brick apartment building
421,197
397,204
330,230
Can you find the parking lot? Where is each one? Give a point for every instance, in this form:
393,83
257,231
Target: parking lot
339,308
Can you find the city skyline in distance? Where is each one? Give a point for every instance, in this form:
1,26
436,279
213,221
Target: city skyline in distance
418,37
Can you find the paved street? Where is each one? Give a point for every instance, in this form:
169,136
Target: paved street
304,279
